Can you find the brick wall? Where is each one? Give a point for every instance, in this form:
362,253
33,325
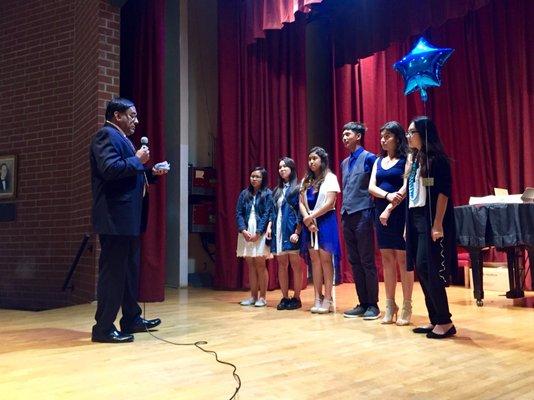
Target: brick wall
59,66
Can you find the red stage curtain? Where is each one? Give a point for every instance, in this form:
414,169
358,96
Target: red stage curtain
483,110
485,107
361,28
142,73
261,15
262,117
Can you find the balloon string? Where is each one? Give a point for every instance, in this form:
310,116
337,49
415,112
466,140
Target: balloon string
427,169
442,269
429,196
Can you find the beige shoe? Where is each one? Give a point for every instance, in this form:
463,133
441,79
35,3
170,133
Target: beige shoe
391,312
406,313
260,302
316,305
248,302
327,306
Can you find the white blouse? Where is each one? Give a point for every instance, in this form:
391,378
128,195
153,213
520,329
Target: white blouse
417,192
330,184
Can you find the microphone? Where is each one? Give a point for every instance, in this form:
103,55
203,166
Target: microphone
144,142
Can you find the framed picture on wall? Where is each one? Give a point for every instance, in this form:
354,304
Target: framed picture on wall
8,177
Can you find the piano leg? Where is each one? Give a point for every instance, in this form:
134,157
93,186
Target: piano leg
514,276
475,255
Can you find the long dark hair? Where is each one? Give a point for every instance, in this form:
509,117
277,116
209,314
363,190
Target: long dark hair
396,129
293,183
310,179
431,148
263,187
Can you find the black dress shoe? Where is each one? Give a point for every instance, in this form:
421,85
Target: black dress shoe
449,333
140,325
422,329
112,337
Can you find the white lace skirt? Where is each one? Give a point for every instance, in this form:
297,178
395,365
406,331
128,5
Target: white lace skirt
252,249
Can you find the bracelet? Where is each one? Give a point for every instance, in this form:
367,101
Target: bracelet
386,195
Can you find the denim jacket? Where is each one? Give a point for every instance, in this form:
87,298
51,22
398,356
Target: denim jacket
263,208
290,219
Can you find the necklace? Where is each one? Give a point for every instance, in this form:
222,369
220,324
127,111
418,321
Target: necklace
387,162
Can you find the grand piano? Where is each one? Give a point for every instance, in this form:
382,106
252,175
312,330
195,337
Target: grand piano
508,227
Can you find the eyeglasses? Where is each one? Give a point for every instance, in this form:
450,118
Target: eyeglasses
409,134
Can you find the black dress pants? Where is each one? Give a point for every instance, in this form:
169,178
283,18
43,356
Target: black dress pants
118,281
427,267
360,244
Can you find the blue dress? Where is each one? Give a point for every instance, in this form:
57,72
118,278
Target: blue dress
390,180
328,234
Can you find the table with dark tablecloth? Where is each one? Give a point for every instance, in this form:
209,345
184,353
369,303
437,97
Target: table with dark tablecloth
508,227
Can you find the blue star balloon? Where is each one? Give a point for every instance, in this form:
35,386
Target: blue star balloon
421,67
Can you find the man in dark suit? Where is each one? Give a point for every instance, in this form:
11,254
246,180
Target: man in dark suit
119,180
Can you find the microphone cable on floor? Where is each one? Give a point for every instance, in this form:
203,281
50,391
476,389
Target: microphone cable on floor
198,344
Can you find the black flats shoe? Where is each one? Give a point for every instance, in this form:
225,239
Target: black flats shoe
284,303
422,329
289,304
294,303
449,333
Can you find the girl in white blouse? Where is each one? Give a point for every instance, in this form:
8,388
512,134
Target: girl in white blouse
320,238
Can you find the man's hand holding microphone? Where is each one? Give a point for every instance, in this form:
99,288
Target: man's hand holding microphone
144,155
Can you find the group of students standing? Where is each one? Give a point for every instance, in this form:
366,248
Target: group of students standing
404,194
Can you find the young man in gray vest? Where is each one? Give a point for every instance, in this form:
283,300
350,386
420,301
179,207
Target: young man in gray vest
357,213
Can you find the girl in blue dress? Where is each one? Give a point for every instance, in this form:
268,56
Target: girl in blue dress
320,238
388,186
284,232
253,212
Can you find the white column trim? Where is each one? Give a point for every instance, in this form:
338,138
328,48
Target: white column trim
184,145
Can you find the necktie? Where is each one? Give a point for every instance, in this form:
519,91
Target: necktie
352,162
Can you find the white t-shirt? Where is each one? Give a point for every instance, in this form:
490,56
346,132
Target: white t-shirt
330,184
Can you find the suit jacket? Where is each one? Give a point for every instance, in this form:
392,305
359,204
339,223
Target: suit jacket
117,178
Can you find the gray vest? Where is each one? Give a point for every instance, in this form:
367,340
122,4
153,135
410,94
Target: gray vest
356,195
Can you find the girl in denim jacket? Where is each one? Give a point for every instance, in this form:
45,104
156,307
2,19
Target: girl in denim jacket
253,212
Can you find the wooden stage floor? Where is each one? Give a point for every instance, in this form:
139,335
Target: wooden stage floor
280,355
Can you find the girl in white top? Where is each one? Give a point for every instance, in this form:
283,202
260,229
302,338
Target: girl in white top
320,238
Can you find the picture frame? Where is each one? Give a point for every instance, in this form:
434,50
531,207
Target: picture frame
8,177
